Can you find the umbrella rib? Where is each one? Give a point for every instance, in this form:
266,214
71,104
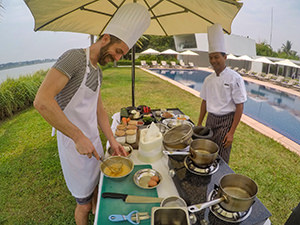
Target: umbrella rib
175,3
64,15
154,16
94,11
169,14
152,7
112,15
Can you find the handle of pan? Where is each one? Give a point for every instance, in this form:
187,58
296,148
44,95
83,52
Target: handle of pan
198,207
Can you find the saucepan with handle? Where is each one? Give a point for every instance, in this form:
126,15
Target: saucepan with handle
236,193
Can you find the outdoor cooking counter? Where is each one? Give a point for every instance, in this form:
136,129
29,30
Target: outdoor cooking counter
191,187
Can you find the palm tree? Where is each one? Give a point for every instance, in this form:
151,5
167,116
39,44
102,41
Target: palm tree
287,48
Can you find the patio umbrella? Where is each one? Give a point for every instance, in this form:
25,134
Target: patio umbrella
188,53
169,17
230,56
150,51
246,59
287,63
264,60
169,52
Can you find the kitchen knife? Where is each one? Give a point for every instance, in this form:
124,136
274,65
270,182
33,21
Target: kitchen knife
131,198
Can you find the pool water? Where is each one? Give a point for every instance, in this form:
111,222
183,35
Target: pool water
276,109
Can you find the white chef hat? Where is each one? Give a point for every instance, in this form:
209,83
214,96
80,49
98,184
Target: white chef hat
216,41
129,23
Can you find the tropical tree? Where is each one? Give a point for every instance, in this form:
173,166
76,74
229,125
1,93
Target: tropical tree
287,47
264,49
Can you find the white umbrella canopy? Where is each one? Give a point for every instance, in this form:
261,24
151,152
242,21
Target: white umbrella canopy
169,52
287,62
92,16
245,58
230,56
150,51
263,60
188,52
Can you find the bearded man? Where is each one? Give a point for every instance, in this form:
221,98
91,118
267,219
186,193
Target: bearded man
69,99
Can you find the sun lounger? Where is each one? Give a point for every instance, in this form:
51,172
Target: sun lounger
164,64
278,80
182,64
267,77
143,63
191,65
173,64
290,83
154,63
297,86
235,69
242,72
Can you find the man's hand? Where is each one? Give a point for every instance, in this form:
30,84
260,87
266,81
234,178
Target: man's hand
85,147
228,139
118,149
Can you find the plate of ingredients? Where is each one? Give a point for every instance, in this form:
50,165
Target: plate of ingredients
182,117
147,178
175,122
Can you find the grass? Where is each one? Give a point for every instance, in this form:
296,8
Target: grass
33,190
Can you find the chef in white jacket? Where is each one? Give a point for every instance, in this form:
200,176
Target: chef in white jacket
70,100
223,93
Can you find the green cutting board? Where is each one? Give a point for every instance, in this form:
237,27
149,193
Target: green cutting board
124,185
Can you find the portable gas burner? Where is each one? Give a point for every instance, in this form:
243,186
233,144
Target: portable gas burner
202,171
225,215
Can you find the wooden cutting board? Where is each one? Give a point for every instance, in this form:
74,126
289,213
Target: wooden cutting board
124,185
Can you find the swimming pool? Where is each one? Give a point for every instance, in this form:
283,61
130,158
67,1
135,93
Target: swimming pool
276,109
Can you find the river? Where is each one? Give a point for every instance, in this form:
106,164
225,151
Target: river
23,70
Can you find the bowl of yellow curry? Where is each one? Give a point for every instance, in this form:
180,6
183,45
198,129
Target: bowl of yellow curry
116,166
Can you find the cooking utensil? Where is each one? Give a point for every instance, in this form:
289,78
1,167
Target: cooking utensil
133,217
116,168
132,198
127,166
173,201
236,193
203,152
178,137
142,177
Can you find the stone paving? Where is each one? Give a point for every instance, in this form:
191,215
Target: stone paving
289,144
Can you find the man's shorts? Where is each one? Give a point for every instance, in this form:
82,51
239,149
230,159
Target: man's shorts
84,201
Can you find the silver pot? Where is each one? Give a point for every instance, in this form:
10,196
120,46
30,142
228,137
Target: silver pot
203,152
236,193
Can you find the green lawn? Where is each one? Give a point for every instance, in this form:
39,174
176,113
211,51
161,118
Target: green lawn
32,188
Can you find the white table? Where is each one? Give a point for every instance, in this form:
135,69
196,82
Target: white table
165,189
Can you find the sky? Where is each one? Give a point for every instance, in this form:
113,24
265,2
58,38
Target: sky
18,41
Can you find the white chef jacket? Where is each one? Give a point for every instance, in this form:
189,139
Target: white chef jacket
223,92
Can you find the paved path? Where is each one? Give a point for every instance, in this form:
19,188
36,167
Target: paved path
286,142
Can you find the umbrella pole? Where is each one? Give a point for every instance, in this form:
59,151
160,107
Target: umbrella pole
133,73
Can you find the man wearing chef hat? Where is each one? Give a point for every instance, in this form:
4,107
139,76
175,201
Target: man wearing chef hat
223,93
70,100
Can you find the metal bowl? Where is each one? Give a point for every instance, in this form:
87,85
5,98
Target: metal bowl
173,201
142,177
127,148
117,159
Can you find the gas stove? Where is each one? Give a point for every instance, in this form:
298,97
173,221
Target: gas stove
195,188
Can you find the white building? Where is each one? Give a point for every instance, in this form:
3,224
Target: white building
235,44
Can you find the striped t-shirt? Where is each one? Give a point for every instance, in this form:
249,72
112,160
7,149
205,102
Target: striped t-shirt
73,64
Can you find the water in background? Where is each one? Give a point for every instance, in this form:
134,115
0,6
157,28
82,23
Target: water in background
276,109
23,70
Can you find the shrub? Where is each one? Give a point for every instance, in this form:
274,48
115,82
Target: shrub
18,94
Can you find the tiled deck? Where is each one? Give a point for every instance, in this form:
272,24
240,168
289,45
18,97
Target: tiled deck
289,144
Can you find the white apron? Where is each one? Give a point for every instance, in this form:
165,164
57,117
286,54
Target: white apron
81,173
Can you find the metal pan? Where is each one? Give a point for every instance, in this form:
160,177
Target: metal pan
236,193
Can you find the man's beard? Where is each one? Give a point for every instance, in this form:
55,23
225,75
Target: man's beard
104,54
